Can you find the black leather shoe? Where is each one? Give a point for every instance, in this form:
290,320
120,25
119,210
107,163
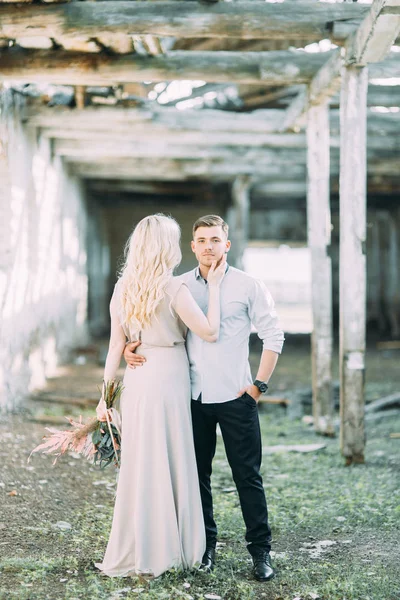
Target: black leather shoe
208,560
262,567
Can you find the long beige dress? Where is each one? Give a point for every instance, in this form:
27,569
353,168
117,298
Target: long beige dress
158,521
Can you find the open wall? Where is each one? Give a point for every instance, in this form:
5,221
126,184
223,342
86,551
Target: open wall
43,266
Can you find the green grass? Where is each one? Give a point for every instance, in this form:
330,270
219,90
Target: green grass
306,494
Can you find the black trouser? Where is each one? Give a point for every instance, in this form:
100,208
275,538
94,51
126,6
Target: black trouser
240,428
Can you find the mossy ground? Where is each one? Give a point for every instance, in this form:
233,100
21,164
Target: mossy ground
312,497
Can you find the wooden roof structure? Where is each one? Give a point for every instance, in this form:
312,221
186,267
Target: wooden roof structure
121,61
294,98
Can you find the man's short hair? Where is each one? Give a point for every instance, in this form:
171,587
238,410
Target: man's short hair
211,221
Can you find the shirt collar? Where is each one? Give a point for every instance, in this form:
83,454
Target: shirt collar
198,275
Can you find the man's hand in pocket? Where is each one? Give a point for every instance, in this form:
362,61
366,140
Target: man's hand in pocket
252,390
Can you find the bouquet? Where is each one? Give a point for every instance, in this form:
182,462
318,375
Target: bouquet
98,440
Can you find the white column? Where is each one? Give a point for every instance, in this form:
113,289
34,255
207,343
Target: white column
319,239
352,268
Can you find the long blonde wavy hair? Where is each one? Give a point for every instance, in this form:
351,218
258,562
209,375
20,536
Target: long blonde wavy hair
151,254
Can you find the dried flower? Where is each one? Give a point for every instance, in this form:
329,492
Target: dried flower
98,440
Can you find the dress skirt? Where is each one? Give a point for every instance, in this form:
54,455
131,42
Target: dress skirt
158,521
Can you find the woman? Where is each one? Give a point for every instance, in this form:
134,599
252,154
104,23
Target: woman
158,522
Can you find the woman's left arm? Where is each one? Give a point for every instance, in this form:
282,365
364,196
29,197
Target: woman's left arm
117,343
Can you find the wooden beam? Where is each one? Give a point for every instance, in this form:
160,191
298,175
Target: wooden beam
325,83
106,119
73,68
203,128
170,147
384,136
249,19
177,170
370,43
116,186
319,239
238,219
352,264
279,188
284,67
185,146
373,39
266,191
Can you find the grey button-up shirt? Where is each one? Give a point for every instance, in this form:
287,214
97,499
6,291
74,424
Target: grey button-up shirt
220,370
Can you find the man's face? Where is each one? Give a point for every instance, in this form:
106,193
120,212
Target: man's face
210,244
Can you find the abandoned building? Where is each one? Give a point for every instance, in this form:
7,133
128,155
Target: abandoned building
282,117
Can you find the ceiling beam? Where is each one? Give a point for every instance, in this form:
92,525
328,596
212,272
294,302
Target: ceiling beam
110,118
373,39
284,67
159,169
79,68
370,43
174,147
259,128
251,19
166,188
177,170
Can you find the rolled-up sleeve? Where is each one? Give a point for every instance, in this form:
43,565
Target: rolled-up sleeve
263,316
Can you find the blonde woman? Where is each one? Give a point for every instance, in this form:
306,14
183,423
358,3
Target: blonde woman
158,521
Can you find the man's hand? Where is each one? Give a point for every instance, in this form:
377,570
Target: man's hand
252,390
133,360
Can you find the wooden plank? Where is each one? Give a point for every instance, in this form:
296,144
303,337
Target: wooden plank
370,43
74,68
253,19
140,187
142,141
204,128
373,39
324,85
238,221
302,448
391,401
70,402
276,400
101,118
171,143
352,265
319,239
185,146
263,168
175,170
295,114
388,345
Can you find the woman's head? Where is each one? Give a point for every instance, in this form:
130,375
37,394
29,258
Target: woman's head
151,255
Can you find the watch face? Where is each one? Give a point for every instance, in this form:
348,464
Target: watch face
262,386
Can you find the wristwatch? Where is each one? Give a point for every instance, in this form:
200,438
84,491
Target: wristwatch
262,386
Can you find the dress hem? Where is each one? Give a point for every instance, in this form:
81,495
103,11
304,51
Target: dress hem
148,573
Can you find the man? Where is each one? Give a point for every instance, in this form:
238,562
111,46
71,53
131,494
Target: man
223,391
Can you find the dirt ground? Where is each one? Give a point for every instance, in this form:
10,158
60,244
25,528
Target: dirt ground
54,520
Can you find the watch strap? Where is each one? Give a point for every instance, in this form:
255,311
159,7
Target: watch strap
262,385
